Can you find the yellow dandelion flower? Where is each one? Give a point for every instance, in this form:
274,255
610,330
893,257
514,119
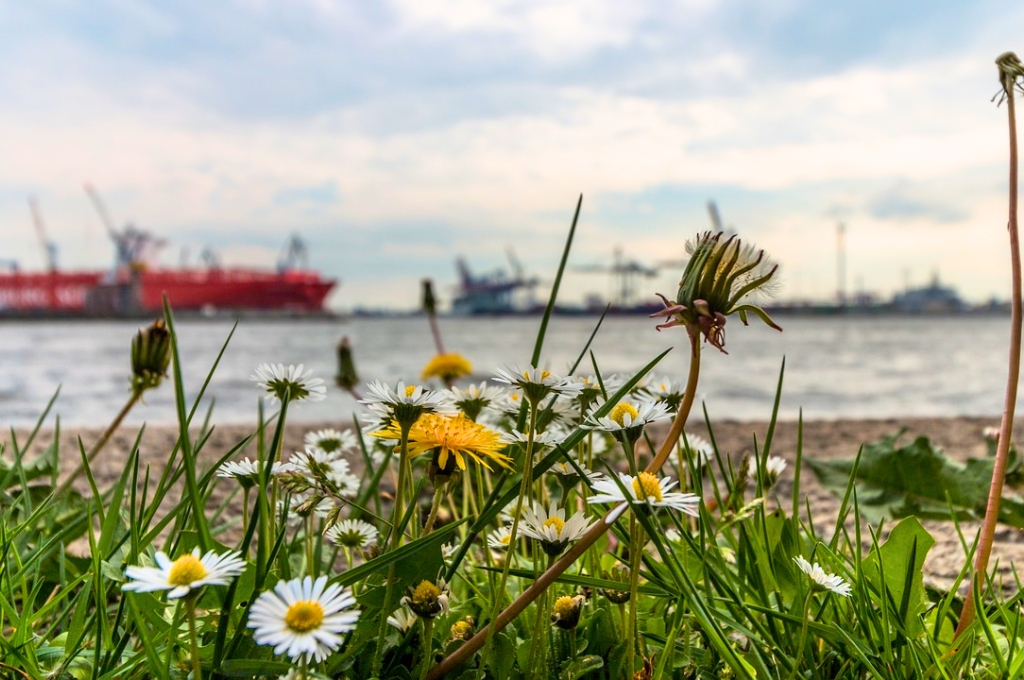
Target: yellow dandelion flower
447,367
457,437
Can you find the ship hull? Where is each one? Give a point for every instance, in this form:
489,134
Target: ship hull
88,293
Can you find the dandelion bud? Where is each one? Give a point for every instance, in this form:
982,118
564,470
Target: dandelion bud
566,612
346,378
619,574
719,280
429,301
151,354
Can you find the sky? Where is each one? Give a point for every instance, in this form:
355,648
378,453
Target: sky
394,136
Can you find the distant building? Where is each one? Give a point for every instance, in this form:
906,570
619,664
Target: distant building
931,299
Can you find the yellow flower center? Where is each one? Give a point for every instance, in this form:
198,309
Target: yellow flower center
409,389
544,375
555,522
186,570
620,411
564,607
304,616
461,630
426,594
646,486
506,539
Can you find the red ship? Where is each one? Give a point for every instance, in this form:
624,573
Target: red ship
136,287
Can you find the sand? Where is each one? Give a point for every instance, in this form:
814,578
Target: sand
959,437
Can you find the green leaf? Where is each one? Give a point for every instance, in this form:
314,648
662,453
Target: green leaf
917,480
902,561
582,666
503,659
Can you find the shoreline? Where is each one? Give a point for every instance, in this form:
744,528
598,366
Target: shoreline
960,438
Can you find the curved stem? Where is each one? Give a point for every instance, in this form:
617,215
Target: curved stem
98,446
463,653
995,493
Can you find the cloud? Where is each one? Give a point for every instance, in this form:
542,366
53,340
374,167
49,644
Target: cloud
899,204
475,126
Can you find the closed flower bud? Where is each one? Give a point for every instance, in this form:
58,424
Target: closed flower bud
151,354
429,301
719,280
346,378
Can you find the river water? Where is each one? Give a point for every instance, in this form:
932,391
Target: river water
849,367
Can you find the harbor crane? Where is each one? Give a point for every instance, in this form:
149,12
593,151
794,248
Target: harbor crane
135,247
49,247
626,275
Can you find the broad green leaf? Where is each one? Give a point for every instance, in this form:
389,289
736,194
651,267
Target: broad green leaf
918,480
902,559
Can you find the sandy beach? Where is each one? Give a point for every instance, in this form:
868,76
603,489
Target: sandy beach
959,437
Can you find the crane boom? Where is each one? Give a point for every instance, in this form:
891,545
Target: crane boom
101,208
49,249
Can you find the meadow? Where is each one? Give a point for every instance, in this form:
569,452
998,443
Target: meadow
537,525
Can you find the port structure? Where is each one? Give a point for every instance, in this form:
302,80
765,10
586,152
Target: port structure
626,276
493,292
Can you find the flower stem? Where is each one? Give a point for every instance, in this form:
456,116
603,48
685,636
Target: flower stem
799,657
100,443
193,635
435,504
524,487
636,535
988,529
428,646
393,540
463,653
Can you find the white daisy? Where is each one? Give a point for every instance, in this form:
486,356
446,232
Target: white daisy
405,404
246,470
590,387
449,550
353,533
278,380
315,462
666,391
510,403
547,438
500,538
301,505
823,580
564,468
402,619
188,572
552,529
774,467
700,449
303,618
536,383
646,488
331,441
473,399
627,416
